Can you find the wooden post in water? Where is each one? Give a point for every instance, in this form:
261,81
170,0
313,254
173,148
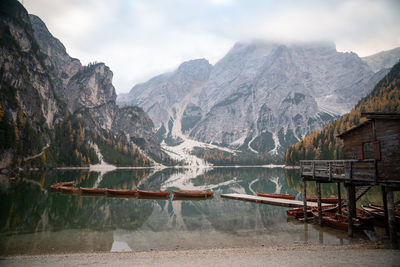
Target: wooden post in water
384,198
391,218
351,203
339,195
305,199
319,203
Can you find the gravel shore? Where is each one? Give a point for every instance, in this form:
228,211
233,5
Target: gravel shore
263,256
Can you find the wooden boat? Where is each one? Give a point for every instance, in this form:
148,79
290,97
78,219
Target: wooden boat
378,213
381,208
361,214
68,189
58,185
87,190
120,192
193,193
336,221
298,213
284,196
329,200
153,193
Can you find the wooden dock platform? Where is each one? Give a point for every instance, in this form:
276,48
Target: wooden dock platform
272,201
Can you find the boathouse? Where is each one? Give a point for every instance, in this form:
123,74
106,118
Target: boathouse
371,158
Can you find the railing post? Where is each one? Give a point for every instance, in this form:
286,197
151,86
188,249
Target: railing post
330,170
351,171
313,170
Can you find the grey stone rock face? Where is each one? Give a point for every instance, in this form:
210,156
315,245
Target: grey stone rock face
383,60
88,91
42,82
259,90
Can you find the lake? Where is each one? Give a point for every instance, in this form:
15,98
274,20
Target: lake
35,220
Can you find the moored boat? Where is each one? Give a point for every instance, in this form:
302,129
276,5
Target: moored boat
336,220
121,192
298,213
192,193
361,214
329,200
151,193
60,184
272,195
378,213
87,190
68,189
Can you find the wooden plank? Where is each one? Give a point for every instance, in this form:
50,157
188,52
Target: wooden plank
272,201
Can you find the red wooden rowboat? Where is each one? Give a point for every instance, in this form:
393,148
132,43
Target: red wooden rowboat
120,192
336,221
298,213
153,193
284,196
68,189
362,215
58,185
87,190
378,213
330,200
193,193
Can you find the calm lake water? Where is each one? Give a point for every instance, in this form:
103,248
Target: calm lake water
35,220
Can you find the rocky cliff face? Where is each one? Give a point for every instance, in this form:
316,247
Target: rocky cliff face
260,96
42,83
383,60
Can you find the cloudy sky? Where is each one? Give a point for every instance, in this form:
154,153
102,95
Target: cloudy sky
139,39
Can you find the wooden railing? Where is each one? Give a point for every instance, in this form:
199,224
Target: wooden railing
357,170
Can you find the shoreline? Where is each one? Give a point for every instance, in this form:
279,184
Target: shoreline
91,169
300,255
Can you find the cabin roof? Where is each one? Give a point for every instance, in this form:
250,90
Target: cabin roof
381,115
372,116
354,128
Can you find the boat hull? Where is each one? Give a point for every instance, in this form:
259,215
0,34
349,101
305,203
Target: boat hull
192,194
123,192
98,191
337,221
146,193
68,189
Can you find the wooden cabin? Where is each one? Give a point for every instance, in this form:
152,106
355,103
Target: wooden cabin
376,141
371,157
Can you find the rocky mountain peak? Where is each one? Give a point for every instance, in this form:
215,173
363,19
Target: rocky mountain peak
261,96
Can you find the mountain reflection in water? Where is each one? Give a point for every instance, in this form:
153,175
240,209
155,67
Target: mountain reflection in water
35,220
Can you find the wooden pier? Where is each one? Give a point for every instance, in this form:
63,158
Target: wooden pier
371,158
272,201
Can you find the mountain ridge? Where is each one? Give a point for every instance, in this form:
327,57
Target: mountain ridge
261,96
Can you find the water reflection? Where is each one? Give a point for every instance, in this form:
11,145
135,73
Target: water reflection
35,220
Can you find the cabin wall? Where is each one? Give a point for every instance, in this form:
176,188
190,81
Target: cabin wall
352,140
387,133
388,137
